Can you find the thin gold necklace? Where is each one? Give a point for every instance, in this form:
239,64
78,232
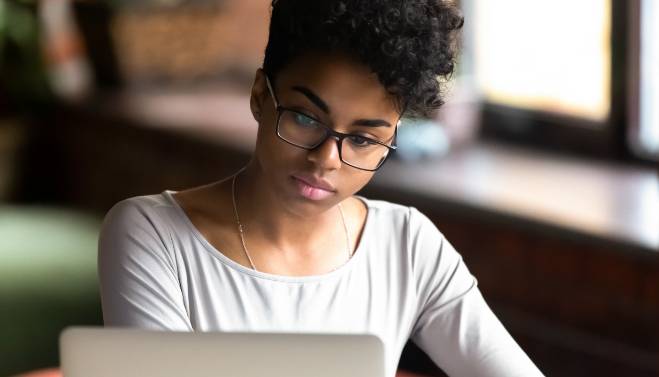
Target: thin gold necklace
241,231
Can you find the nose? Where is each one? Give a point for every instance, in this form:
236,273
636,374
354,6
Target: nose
326,155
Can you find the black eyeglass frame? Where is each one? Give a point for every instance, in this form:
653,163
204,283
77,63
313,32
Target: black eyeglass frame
329,132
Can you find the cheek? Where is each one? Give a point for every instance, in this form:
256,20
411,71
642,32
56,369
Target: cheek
272,152
355,180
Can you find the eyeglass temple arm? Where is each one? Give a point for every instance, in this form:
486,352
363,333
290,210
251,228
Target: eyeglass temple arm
272,92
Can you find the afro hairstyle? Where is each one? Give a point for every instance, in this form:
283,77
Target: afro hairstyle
411,45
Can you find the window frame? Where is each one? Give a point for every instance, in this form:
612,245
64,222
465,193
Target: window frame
605,140
634,78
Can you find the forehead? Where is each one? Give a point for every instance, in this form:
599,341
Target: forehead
345,85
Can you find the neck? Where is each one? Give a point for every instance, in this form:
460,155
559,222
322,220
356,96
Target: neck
267,216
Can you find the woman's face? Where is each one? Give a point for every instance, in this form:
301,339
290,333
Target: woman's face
340,93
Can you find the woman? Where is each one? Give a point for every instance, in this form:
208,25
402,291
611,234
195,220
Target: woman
284,244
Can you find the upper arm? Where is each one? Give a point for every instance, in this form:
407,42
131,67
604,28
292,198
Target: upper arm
138,280
454,325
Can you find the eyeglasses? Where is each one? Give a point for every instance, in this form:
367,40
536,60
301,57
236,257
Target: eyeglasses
303,131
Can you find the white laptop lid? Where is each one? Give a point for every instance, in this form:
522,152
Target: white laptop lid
112,352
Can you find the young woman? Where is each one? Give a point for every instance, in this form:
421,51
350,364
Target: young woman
284,244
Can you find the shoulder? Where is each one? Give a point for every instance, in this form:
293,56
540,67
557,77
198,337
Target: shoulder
388,212
146,208
405,231
435,266
411,237
144,222
401,219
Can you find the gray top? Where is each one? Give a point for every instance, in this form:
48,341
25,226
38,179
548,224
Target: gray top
404,281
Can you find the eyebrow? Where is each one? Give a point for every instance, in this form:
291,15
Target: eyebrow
371,123
313,97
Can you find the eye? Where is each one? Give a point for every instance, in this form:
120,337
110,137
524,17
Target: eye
360,141
304,120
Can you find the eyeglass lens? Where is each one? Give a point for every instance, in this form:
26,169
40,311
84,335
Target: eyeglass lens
305,132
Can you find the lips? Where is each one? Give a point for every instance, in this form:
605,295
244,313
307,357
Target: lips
313,188
318,183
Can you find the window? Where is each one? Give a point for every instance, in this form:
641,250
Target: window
545,55
554,74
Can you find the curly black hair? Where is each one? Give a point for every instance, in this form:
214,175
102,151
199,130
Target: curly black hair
410,44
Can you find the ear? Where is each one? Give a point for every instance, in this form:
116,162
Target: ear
258,95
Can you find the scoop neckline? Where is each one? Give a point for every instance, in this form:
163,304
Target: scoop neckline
356,256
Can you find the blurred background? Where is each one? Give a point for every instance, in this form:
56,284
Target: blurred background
541,169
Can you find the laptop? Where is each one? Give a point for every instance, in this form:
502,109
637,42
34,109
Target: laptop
113,352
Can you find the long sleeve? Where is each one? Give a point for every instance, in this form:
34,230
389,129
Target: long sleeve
455,326
138,280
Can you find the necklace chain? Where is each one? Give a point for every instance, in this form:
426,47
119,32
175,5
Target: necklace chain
241,230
